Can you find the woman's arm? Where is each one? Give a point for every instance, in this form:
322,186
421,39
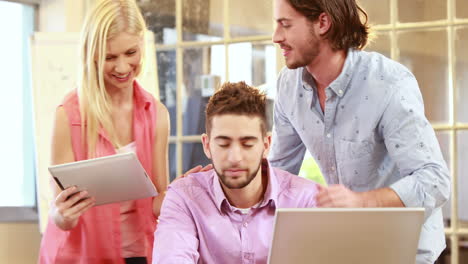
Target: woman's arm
66,207
160,156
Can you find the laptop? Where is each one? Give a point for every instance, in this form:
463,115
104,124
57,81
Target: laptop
109,179
346,235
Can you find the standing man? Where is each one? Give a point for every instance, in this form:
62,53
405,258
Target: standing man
360,115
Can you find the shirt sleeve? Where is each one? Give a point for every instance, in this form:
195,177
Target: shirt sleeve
287,149
412,144
176,240
311,197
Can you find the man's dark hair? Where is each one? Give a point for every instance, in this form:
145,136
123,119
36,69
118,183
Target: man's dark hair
239,99
347,29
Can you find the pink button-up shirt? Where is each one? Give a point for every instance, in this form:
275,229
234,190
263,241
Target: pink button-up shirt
198,225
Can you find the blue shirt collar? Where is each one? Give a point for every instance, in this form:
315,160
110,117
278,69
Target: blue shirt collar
340,85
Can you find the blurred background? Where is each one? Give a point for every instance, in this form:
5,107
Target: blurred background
197,45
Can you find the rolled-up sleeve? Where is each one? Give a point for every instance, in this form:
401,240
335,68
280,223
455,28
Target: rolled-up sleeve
412,144
176,240
287,149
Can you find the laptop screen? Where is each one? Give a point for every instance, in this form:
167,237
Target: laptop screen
346,235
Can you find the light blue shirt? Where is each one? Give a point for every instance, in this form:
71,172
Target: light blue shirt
372,134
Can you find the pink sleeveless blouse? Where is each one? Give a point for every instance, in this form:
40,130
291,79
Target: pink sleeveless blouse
97,237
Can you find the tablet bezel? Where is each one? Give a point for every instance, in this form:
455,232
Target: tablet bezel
109,179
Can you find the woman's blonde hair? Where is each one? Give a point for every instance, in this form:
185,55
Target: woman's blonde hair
105,21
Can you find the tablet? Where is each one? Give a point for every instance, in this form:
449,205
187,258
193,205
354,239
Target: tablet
346,235
108,179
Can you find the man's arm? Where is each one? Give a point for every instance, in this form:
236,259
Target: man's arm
176,240
287,149
340,196
412,144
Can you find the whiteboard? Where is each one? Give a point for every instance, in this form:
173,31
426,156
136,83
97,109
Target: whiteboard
54,73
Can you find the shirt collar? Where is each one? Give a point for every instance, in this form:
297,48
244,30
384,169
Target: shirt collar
141,99
340,84
271,192
308,82
218,191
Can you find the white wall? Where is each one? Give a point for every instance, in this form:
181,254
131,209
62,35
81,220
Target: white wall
20,241
61,15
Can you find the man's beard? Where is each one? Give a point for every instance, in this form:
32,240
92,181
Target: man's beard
237,185
306,58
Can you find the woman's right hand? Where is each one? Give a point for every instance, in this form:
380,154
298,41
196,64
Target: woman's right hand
69,206
195,169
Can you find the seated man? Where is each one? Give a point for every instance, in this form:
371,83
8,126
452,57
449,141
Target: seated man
226,215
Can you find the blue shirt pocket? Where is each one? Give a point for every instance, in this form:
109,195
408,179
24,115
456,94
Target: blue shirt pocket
356,164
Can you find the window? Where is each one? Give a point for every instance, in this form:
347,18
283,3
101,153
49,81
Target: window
430,38
17,180
199,44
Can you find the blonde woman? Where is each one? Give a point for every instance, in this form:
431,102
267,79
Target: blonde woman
108,113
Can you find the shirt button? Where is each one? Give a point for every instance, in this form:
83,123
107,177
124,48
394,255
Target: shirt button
328,135
245,224
340,92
